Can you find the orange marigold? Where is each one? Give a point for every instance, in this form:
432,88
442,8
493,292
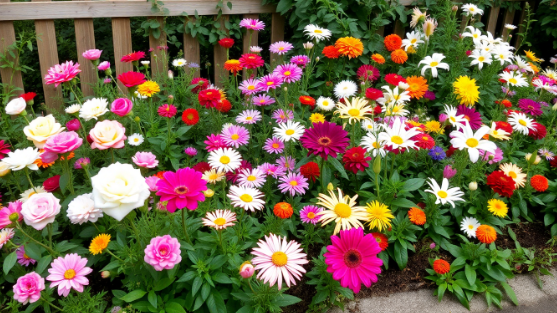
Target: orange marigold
441,266
417,216
233,66
379,59
283,210
350,47
393,42
331,52
417,86
486,234
381,240
399,56
539,183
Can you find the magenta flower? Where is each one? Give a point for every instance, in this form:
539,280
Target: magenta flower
92,54
152,183
253,24
61,73
268,82
289,163
145,159
300,60
78,165
107,80
183,189
473,117
233,176
294,184
289,73
28,288
352,259
167,110
281,116
280,47
214,142
121,106
104,66
368,72
249,86
69,272
235,136
273,170
530,106
325,139
63,142
191,151
23,258
273,145
449,172
262,100
163,253
490,157
10,214
308,214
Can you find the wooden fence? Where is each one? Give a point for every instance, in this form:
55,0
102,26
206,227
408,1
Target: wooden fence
44,12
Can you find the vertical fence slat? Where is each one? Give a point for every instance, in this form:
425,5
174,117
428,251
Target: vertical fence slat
85,40
399,28
509,17
48,57
381,31
7,37
254,39
220,56
277,31
122,38
191,48
159,58
492,20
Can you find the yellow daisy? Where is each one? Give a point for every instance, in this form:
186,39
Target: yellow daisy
532,56
342,209
379,216
317,118
148,88
212,176
434,127
497,207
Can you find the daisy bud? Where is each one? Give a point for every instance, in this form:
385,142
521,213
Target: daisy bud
105,274
377,165
317,59
308,45
403,86
285,89
330,187
209,193
170,99
533,158
108,71
473,185
246,270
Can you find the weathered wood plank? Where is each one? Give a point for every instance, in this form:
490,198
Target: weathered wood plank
522,20
277,31
399,29
7,38
509,17
159,55
122,38
191,48
492,20
85,40
220,56
248,42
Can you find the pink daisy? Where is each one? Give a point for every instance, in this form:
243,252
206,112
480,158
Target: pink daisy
253,24
281,116
191,151
289,163
300,60
268,82
69,272
214,142
289,73
308,214
182,189
272,169
23,258
248,117
492,158
249,86
276,258
280,47
61,73
352,259
253,178
167,110
294,184
10,214
273,145
368,72
530,106
262,100
325,139
235,136
233,176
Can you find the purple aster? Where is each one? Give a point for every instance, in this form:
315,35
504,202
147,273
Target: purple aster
300,60
81,162
214,142
289,163
437,153
429,95
248,117
268,82
473,117
191,151
282,116
262,100
325,139
530,106
249,86
280,47
193,65
308,214
289,73
490,157
273,169
547,154
273,145
294,184
235,136
253,24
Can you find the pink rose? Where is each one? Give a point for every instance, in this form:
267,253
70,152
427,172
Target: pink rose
40,210
92,55
145,159
121,106
151,182
28,288
104,66
63,142
108,134
73,125
163,253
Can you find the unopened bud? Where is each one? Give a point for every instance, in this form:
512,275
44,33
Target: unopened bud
170,99
454,8
105,274
209,193
137,119
330,187
473,185
377,165
317,59
246,270
108,71
432,245
285,89
533,158
170,74
308,45
23,113
14,217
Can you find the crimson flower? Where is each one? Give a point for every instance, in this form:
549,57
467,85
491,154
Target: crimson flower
201,83
500,183
355,159
250,61
310,170
223,106
4,149
226,43
190,116
131,79
325,139
209,98
29,96
133,57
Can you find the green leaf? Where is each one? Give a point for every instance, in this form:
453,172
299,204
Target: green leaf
173,307
196,285
9,262
510,292
401,255
112,265
338,167
284,5
441,291
152,297
163,283
33,250
413,184
470,274
286,300
222,278
229,5
205,290
404,203
43,263
64,180
134,295
218,262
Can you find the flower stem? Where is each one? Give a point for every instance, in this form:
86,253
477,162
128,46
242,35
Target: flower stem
117,258
49,228
52,305
29,179
184,225
250,287
52,252
112,153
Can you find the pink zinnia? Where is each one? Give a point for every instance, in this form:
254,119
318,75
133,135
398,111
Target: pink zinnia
300,60
201,83
308,214
253,24
23,258
167,110
368,72
352,259
273,169
235,136
92,54
325,139
28,288
183,189
10,214
191,151
163,253
262,100
281,116
61,73
69,272
273,145
289,73
280,47
145,159
214,142
530,106
268,82
78,165
249,86
294,184
152,183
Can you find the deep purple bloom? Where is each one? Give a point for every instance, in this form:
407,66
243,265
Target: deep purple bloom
437,153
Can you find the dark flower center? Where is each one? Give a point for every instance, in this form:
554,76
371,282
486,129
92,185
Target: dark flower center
352,258
324,141
181,190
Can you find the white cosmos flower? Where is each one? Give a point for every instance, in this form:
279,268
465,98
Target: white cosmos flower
135,139
316,32
521,123
413,39
457,121
471,9
480,57
250,199
16,106
74,108
225,159
289,131
503,54
393,96
434,62
469,225
514,78
467,139
474,33
22,158
179,62
510,26
488,37
82,210
443,193
523,65
345,89
397,136
93,108
325,103
373,145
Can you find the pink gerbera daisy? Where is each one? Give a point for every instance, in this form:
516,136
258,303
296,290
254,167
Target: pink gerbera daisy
253,178
282,116
183,189
300,60
276,258
352,259
253,24
262,100
530,106
289,73
69,272
10,214
249,86
325,139
268,82
368,72
272,169
280,47
273,145
248,117
235,136
308,214
61,73
492,157
23,258
214,142
294,184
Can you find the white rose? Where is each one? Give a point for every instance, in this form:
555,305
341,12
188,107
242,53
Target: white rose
16,106
41,128
21,158
74,108
82,209
93,108
4,169
41,209
118,189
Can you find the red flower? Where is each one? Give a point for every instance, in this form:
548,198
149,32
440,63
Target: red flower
373,94
381,240
553,163
209,98
131,79
539,183
355,159
29,96
224,106
441,267
450,151
201,83
250,60
377,110
368,72
307,100
394,79
331,52
52,183
424,141
133,57
539,132
202,167
504,126
310,171
4,149
506,103
167,110
226,43
501,183
190,116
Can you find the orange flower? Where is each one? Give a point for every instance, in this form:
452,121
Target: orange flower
331,52
283,210
417,216
534,67
379,59
160,174
70,156
40,162
233,66
350,47
539,183
418,86
381,240
486,234
441,267
307,100
393,42
399,56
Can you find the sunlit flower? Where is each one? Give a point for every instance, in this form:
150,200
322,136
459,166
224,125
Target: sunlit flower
250,199
443,193
219,219
341,209
515,173
433,62
316,32
225,159
379,216
354,110
521,123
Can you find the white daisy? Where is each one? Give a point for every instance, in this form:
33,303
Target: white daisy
345,89
225,159
219,219
289,131
471,9
443,193
469,225
373,145
521,123
145,62
484,46
254,178
413,39
480,57
135,139
317,33
510,26
457,121
393,96
514,78
502,54
539,84
179,62
433,62
370,126
325,103
138,96
250,199
394,110
74,108
523,65
474,33
498,133
466,139
29,192
397,136
22,158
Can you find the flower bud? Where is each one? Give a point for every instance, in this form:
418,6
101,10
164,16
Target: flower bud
105,274
330,187
170,74
308,45
285,89
108,71
170,99
137,119
246,270
73,125
317,59
454,8
14,217
432,245
473,185
209,193
377,165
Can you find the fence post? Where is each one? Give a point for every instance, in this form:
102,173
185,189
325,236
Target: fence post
247,42
220,56
122,38
277,32
492,20
85,40
399,28
159,58
191,47
7,38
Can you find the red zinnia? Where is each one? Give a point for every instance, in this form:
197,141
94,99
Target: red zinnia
131,79
307,100
52,183
201,167
441,266
29,96
310,170
209,98
381,240
504,126
5,148
373,94
539,183
325,139
250,61
223,106
424,141
190,116
201,83
377,110
538,132
355,159
226,43
394,79
134,56
506,103
501,183
331,52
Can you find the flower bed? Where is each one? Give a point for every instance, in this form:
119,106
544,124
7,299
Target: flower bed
188,196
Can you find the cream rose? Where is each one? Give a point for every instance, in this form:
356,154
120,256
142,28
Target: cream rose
16,106
40,210
107,134
93,108
41,128
118,189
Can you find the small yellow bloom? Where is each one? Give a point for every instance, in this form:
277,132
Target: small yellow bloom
466,90
209,193
379,216
317,118
532,56
148,88
99,243
497,207
434,127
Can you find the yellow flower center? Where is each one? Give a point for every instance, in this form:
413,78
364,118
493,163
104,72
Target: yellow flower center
472,142
512,174
375,145
275,145
318,31
287,73
325,103
235,137
279,259
522,122
397,139
311,215
136,139
513,81
413,40
269,83
481,59
246,198
290,132
251,178
281,48
354,112
219,221
213,176
251,87
471,226
25,256
433,64
224,159
294,183
343,210
69,274
442,194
